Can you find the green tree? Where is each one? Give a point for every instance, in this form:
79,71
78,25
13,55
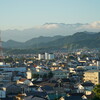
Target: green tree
45,76
35,75
96,90
8,60
50,74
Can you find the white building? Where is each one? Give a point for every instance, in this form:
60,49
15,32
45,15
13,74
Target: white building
29,74
98,63
41,56
46,56
50,56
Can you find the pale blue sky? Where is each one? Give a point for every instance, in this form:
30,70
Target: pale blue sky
30,13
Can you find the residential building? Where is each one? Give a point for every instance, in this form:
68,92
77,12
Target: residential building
92,76
60,73
28,74
46,56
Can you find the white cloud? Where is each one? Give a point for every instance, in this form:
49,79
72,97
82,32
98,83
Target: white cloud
47,26
94,25
50,26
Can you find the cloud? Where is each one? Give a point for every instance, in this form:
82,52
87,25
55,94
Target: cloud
94,25
47,26
50,26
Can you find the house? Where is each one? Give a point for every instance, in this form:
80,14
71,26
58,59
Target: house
80,88
32,88
15,78
66,84
60,73
88,87
37,94
53,68
24,81
77,88
75,96
12,88
47,89
2,92
5,76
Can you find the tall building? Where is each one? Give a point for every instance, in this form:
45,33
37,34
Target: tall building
92,76
46,56
50,56
41,56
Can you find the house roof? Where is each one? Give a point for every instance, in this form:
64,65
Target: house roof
87,84
65,80
47,88
8,98
33,86
34,98
22,79
37,93
74,96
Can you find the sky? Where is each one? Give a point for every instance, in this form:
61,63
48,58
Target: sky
24,14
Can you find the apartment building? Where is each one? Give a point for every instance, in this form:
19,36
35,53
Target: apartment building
92,76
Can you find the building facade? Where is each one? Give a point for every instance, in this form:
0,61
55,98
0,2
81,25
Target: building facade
92,76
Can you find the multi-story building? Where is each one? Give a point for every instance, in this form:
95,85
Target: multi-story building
92,76
50,56
46,56
41,56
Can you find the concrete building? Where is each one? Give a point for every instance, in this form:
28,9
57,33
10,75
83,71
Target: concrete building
50,56
92,76
28,74
41,56
46,56
98,63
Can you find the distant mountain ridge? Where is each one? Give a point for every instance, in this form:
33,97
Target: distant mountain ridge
77,40
32,42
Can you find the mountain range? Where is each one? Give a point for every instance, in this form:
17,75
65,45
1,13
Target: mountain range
77,40
49,30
